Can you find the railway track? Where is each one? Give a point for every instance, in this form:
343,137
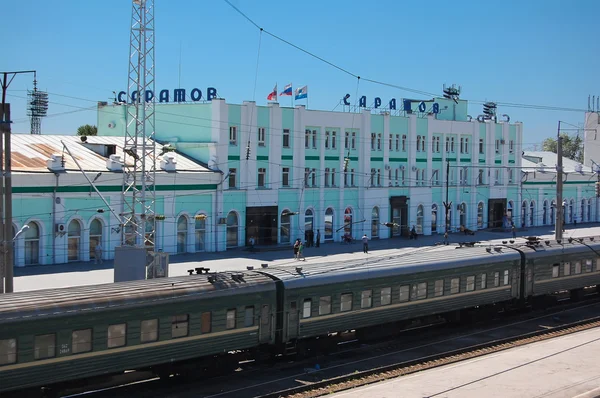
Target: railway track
366,364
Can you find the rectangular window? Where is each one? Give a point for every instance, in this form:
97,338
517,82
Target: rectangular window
379,142
483,281
261,136
306,308
567,268
285,176
373,141
205,322
230,319
179,325
506,278
454,285
373,177
333,177
397,142
386,296
327,139
286,138
497,146
588,265
352,177
418,143
333,139
480,177
437,144
262,174
313,177
232,135
314,139
346,302
470,283
378,177
149,330
447,144
117,335
462,143
353,140
403,143
345,179
306,138
366,299
555,269
391,142
81,341
45,346
327,176
306,174
421,290
439,288
231,178
578,267
404,293
324,305
496,279
347,140
466,145
8,351
451,144
481,146
264,315
249,316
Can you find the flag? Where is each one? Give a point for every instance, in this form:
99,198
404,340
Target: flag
287,90
302,92
273,95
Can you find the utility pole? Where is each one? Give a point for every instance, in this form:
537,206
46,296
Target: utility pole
559,187
447,204
6,238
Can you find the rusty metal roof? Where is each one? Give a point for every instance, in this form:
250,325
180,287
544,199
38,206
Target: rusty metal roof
30,153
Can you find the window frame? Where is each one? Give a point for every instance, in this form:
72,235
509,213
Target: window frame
155,331
232,135
249,316
366,299
206,325
262,175
231,322
109,339
180,326
403,291
325,305
470,286
385,292
261,136
8,357
346,302
285,138
438,289
306,315
454,285
37,349
76,344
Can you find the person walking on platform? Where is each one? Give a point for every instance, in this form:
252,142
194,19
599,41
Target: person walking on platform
296,247
365,241
301,251
446,238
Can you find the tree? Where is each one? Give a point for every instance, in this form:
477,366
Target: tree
87,129
572,147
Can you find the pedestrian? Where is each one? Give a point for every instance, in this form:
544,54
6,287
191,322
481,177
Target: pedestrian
446,238
301,251
98,253
318,237
365,241
296,247
251,241
514,230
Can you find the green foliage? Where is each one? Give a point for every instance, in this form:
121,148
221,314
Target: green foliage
572,147
87,129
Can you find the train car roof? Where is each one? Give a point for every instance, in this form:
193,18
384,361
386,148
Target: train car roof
72,300
434,259
549,248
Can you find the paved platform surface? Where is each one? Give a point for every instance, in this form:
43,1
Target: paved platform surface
78,274
563,367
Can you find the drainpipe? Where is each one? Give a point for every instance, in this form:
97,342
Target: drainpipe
54,218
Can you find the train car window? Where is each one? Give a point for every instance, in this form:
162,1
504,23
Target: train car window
555,269
180,325
496,279
81,341
149,330
470,283
439,288
506,277
117,335
422,291
45,346
483,281
264,315
597,264
588,265
346,304
404,293
324,305
578,267
386,296
8,351
366,299
567,268
454,285
307,308
231,319
205,320
249,316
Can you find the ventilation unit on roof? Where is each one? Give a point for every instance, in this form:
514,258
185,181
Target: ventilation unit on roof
56,162
113,163
169,162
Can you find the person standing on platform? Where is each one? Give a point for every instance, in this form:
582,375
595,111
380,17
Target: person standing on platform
301,252
446,238
514,230
365,241
318,237
98,253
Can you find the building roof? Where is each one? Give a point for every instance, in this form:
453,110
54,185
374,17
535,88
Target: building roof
546,161
30,153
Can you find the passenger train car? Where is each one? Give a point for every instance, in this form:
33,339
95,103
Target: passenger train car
60,335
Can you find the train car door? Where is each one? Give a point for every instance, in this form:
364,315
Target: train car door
292,320
529,278
266,320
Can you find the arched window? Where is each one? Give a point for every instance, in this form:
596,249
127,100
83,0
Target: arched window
589,212
434,210
419,219
232,229
463,215
571,210
583,202
348,221
200,233
74,240
284,226
552,212
532,213
375,222
480,215
524,213
95,236
32,244
308,220
545,213
182,232
509,211
328,224
397,220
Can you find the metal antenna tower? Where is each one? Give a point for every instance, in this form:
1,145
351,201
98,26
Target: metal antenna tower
37,107
139,162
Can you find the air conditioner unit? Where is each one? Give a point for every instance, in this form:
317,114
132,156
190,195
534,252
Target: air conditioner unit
111,125
222,220
387,167
414,168
60,228
402,168
502,141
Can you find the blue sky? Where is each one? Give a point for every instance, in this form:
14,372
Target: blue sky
532,52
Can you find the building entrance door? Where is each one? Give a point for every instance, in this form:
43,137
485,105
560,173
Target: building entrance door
261,223
496,212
